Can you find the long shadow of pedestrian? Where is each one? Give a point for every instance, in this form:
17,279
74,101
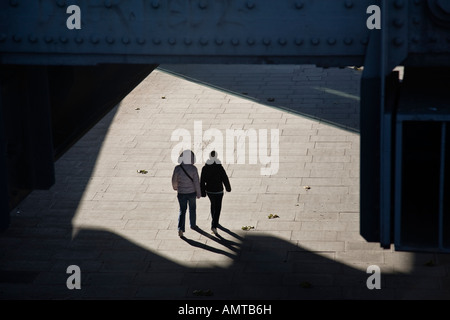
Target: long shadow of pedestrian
206,247
231,233
220,240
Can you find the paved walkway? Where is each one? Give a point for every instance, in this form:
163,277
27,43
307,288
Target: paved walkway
119,225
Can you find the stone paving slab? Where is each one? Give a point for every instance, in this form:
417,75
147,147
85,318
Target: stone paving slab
119,226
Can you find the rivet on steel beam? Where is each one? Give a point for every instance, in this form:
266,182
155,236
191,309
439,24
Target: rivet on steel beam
79,40
282,41
156,41
203,4
172,41
315,41
95,39
13,3
299,5
125,40
204,41
155,4
235,42
48,39
188,41
348,4
17,38
365,41
399,4
398,23
348,41
32,38
443,6
298,41
331,41
63,39
250,41
108,3
266,41
218,41
110,39
398,41
140,40
250,4
61,3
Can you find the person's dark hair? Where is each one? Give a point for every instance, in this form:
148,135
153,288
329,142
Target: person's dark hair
213,158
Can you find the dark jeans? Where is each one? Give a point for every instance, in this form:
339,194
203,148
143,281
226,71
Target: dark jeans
216,206
184,200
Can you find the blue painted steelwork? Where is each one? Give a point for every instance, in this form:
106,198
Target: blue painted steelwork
326,32
421,205
437,238
4,205
442,181
136,31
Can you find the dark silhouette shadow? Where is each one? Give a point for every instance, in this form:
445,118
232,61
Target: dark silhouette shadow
219,239
231,233
206,247
40,244
326,98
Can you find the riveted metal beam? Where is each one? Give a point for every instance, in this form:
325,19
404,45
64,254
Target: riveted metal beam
326,32
329,32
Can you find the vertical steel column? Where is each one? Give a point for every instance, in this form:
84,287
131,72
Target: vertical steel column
370,140
441,186
39,141
4,201
385,138
398,183
379,87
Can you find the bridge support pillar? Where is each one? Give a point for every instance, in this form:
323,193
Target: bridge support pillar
4,199
26,134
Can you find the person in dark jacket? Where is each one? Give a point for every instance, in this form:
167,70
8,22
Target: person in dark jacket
212,180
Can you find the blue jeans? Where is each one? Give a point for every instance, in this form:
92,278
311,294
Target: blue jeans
183,200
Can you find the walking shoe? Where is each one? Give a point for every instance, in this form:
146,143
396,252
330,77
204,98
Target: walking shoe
214,230
180,233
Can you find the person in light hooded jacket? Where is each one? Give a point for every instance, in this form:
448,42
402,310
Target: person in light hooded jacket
213,179
185,181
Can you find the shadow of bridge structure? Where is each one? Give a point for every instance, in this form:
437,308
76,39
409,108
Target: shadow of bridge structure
42,242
